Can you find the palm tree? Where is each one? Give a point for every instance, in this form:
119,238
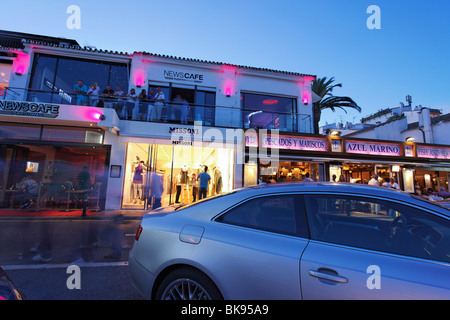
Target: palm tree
323,88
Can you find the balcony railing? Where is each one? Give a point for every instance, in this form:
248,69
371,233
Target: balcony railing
173,112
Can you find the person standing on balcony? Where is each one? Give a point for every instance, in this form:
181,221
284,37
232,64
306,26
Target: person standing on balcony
94,93
131,102
119,104
151,99
108,94
81,90
159,104
184,110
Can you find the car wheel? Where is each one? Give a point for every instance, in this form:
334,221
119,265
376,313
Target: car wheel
187,284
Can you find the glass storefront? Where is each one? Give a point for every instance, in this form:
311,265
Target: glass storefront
178,168
53,172
289,171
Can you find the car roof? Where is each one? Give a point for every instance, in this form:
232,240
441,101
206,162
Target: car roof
225,200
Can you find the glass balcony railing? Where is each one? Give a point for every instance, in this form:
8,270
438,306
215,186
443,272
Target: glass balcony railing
172,112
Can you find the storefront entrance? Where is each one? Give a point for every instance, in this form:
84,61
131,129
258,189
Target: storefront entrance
178,168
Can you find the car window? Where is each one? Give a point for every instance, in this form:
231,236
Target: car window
281,214
378,225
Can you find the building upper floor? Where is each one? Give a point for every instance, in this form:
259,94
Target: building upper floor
148,87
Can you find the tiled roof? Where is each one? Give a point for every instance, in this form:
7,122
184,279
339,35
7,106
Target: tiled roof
223,63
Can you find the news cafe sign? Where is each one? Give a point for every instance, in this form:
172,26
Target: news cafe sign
183,76
373,148
29,109
433,152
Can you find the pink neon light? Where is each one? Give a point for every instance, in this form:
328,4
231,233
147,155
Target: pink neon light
21,63
270,101
139,77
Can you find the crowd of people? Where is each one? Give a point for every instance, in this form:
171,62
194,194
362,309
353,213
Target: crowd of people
132,106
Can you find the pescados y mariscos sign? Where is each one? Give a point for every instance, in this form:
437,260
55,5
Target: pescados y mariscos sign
294,143
373,148
29,109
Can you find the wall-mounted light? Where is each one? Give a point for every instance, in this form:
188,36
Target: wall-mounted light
305,101
335,133
409,139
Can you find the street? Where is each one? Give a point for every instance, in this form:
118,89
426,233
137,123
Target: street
99,281
104,244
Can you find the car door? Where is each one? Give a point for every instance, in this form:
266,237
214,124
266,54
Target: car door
368,248
260,242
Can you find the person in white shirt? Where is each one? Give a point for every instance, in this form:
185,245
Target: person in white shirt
394,184
387,183
94,93
374,181
159,104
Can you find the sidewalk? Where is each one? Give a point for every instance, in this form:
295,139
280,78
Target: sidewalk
7,214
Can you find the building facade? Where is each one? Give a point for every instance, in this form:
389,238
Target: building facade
131,118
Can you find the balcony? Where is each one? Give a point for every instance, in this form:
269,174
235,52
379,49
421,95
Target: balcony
172,112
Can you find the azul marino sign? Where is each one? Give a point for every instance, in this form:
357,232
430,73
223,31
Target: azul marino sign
29,109
433,152
373,148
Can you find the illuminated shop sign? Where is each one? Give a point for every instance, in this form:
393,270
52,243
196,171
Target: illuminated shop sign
29,109
294,143
433,152
183,76
372,148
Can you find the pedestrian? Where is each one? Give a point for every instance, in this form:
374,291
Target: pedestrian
156,189
394,184
84,185
387,183
374,181
204,179
307,178
28,190
194,183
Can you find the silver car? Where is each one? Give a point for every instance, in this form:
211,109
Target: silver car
295,241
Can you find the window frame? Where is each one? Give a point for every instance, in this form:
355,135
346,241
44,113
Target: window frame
299,214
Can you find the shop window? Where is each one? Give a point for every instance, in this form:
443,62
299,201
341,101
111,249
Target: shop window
268,112
5,74
177,167
56,170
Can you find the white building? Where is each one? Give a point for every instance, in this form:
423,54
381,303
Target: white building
50,131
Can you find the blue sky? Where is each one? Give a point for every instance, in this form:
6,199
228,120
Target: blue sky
378,68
